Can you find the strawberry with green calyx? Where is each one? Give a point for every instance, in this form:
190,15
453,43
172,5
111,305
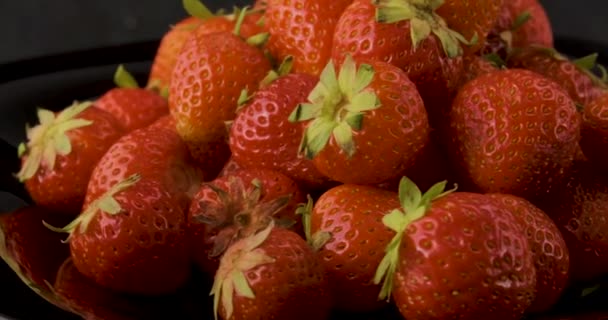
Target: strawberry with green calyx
61,152
347,115
203,98
272,274
236,206
132,106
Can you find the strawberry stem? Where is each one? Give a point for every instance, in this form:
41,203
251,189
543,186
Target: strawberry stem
239,21
196,8
124,79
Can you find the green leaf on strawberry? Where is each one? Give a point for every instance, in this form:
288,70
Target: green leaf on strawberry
124,79
230,277
197,9
319,239
414,206
49,138
337,106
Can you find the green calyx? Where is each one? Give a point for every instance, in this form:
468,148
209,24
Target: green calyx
414,206
197,9
49,139
337,106
520,20
124,79
106,204
319,239
587,64
495,60
230,278
423,21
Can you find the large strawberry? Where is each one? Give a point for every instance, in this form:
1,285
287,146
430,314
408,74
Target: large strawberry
350,219
134,217
131,105
364,123
273,274
579,210
594,131
304,30
574,76
261,136
456,256
211,71
61,152
549,250
513,131
236,206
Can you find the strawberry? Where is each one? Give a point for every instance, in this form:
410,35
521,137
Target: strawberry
236,206
61,152
273,274
350,218
261,126
132,106
594,131
513,131
574,76
475,66
304,30
521,23
348,114
204,22
578,209
211,71
455,255
549,250
134,217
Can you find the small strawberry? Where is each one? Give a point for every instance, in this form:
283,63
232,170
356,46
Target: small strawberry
350,217
273,274
455,256
549,250
236,206
131,105
211,71
303,29
513,131
574,76
594,131
262,137
347,118
61,152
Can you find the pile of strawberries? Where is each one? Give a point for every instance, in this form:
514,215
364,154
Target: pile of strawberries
437,158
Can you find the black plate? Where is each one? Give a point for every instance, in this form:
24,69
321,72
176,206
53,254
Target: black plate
54,82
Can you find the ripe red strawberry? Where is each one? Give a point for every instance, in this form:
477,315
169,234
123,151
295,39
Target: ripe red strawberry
513,131
549,250
460,255
134,217
271,275
573,76
132,106
61,152
521,23
594,131
347,118
261,136
350,217
304,30
473,67
211,71
236,206
203,21
579,210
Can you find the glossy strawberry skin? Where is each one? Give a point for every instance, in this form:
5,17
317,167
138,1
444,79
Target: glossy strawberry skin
550,253
455,260
211,71
261,136
524,149
594,132
579,210
63,189
303,29
202,236
292,287
134,108
353,214
576,82
380,156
